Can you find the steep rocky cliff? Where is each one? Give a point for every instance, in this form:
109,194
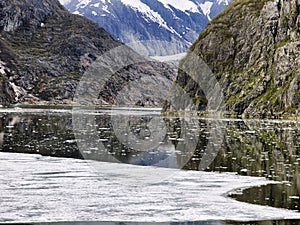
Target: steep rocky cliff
253,49
45,50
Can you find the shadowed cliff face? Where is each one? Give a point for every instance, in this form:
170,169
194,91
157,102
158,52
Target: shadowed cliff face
253,48
45,51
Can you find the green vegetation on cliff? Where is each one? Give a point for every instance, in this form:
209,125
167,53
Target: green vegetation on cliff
253,49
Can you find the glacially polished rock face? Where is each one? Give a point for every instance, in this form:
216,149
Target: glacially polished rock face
253,49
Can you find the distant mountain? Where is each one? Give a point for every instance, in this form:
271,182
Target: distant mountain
178,21
45,51
253,48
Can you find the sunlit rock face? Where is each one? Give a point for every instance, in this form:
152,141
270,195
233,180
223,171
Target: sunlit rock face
253,49
130,21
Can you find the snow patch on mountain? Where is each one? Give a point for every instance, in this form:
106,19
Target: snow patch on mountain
77,13
226,2
105,9
181,5
206,8
65,2
104,1
173,21
83,3
149,13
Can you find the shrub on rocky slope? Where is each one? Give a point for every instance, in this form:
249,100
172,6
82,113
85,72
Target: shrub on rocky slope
253,49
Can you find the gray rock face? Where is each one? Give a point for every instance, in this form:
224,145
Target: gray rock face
17,13
45,51
253,48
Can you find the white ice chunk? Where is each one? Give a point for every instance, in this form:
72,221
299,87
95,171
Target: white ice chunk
36,188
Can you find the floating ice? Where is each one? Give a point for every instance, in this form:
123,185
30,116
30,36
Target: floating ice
36,188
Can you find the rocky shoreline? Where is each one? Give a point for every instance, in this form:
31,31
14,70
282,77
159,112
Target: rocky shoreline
205,114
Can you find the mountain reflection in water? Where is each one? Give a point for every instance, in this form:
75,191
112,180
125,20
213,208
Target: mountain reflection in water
265,148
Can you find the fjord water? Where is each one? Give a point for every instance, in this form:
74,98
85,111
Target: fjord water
36,187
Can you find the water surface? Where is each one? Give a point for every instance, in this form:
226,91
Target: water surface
257,148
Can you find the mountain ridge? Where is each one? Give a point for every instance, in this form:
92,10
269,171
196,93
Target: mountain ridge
131,21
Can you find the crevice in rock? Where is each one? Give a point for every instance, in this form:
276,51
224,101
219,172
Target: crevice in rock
276,25
297,11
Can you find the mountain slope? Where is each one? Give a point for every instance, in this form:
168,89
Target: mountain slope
253,48
142,20
45,51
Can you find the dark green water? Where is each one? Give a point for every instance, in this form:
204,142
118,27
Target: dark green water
266,148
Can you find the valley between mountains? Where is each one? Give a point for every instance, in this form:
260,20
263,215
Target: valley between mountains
252,48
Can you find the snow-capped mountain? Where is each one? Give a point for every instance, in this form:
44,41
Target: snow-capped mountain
130,21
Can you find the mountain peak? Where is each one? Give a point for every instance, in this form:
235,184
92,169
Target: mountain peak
131,21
